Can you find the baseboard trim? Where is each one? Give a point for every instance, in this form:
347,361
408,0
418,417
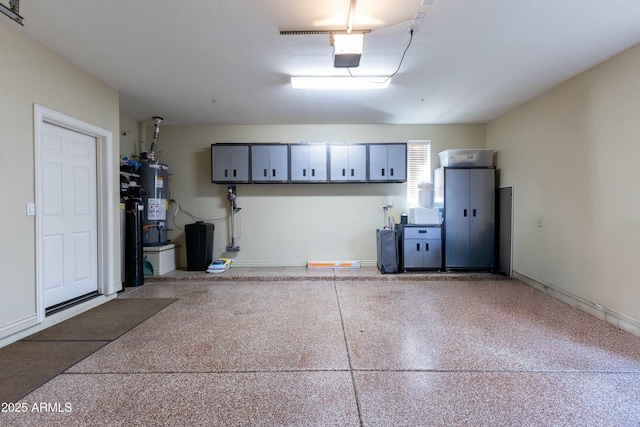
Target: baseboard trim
288,263
619,320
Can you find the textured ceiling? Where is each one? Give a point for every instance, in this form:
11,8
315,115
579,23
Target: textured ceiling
225,62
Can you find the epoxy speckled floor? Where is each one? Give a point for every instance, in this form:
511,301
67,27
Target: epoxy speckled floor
350,348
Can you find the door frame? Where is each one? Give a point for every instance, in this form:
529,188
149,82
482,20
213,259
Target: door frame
104,195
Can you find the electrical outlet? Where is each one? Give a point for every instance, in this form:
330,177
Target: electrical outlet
389,201
31,209
418,18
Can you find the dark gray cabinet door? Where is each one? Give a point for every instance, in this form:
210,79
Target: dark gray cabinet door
482,217
456,196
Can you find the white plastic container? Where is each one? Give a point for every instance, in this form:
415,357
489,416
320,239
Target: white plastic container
424,216
466,158
162,258
425,194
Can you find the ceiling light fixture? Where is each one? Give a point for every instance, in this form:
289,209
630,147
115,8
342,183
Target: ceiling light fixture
13,11
340,83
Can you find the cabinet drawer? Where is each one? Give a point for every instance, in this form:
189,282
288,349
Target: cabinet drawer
422,232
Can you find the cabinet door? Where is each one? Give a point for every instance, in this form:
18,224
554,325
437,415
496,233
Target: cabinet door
378,170
397,162
339,158
432,253
279,163
456,198
230,163
239,163
299,163
317,163
482,218
260,163
357,162
412,253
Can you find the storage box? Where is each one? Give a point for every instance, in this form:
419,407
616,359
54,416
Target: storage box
162,258
424,216
466,158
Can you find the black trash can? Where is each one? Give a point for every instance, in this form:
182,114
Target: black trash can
199,245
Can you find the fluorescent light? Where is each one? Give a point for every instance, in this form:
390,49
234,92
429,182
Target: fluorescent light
340,82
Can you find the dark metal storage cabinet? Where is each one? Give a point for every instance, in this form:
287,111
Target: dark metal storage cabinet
469,216
421,247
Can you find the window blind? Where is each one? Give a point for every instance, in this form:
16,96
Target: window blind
418,168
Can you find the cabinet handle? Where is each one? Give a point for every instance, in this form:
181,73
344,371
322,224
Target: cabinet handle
391,171
273,172
465,213
264,171
352,172
235,173
226,173
422,231
382,172
474,212
417,247
304,172
426,247
344,172
313,172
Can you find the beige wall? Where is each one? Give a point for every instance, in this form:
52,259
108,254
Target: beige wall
572,157
32,75
289,224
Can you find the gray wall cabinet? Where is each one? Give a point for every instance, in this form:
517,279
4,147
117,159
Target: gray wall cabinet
469,216
309,163
348,163
269,163
387,162
230,163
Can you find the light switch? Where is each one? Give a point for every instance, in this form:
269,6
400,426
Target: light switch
31,209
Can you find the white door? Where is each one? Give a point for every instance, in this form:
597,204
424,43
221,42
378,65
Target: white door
68,206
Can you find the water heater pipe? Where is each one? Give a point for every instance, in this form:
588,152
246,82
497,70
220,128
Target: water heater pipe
156,133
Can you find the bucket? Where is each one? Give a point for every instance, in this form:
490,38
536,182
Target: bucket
425,194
